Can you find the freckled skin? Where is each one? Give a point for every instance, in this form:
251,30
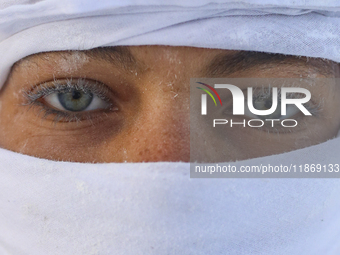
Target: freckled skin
153,121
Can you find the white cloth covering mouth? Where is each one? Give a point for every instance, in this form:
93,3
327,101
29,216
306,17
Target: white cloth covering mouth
51,207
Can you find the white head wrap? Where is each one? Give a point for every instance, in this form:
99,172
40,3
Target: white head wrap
49,207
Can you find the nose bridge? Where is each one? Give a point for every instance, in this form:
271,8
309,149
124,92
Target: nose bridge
164,134
166,106
167,130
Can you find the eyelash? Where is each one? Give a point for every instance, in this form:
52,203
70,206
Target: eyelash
34,95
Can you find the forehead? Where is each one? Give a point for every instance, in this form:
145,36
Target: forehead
130,55
212,62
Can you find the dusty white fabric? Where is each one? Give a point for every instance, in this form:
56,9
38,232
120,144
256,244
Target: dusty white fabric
51,207
155,208
304,29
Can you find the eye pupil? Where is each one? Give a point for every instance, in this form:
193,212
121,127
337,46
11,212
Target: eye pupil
76,94
75,100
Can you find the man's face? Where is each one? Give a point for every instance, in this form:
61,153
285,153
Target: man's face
132,104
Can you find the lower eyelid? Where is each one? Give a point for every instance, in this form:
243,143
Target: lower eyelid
55,116
299,116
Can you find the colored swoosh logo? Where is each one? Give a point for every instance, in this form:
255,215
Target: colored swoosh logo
213,90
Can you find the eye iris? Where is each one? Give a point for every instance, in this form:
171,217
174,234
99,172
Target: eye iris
75,100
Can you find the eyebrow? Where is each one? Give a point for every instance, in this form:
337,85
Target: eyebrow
119,56
226,64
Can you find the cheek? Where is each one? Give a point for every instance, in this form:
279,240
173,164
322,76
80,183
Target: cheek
160,132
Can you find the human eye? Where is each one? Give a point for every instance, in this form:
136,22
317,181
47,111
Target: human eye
71,99
259,98
252,134
263,100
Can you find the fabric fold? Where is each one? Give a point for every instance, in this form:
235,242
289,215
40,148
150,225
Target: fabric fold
49,207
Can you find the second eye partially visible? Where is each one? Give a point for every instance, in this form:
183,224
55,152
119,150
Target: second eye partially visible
263,100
